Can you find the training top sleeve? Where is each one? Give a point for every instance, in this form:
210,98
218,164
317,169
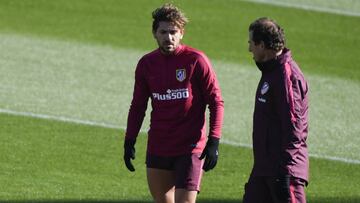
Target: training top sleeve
212,94
139,102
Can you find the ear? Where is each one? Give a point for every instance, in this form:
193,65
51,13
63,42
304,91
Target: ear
262,44
182,32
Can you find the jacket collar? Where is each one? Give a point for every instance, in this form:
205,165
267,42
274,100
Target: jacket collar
271,64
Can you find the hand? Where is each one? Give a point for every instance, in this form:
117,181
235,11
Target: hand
283,187
129,153
210,153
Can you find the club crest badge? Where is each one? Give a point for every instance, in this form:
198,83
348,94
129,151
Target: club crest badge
264,88
180,74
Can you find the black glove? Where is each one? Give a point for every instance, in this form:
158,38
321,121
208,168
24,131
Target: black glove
211,153
129,153
283,187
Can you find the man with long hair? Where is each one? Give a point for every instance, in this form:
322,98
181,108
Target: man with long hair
180,82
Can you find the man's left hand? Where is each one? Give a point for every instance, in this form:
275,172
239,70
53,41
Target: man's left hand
210,153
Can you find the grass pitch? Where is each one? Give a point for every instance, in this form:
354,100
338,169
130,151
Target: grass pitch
75,59
52,161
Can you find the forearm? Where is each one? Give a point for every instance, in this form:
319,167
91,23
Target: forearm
216,119
134,121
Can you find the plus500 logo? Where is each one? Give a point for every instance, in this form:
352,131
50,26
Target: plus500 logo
172,94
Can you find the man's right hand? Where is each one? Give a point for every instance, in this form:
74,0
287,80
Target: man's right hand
129,153
283,187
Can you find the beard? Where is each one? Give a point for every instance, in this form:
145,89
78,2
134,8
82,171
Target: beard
168,48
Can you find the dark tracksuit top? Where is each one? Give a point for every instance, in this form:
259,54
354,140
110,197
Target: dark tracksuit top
180,86
280,122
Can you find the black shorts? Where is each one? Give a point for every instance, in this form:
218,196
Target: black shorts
187,168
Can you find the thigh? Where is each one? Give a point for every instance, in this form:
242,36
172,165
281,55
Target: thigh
161,184
188,172
183,195
257,191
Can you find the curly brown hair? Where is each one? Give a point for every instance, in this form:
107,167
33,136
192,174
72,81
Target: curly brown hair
168,13
267,30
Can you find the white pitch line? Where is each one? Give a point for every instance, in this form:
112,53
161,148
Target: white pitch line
106,125
332,158
60,118
307,7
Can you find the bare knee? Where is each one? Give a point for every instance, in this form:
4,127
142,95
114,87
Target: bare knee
185,196
161,196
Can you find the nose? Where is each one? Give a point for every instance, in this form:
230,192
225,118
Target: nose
168,37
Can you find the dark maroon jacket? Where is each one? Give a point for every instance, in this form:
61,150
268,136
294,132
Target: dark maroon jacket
280,125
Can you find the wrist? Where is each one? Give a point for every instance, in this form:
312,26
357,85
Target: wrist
213,144
129,142
213,140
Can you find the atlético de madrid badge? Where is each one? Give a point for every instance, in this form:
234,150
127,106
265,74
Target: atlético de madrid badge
180,74
264,88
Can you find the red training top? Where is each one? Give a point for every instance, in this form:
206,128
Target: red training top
180,86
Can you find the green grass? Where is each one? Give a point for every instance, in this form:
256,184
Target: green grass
93,82
76,59
343,7
325,46
52,161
